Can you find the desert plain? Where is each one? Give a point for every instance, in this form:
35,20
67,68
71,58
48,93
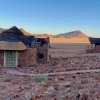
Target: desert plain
71,74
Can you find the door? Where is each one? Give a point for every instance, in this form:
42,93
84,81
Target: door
10,58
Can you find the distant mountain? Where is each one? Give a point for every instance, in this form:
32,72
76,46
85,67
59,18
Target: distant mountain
1,30
16,29
43,35
69,37
25,32
76,33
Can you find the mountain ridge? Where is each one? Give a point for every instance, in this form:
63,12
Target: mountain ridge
69,37
76,33
1,30
76,36
25,32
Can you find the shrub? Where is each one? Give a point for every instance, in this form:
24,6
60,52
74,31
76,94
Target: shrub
29,95
39,78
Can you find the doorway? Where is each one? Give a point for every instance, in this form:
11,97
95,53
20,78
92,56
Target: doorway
10,58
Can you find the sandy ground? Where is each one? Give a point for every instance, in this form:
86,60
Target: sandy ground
69,40
63,50
78,77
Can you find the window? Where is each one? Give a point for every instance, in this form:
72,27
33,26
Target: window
40,56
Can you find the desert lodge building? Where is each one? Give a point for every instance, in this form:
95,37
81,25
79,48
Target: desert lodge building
20,50
95,45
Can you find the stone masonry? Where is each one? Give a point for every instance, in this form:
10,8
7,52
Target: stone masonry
1,58
27,58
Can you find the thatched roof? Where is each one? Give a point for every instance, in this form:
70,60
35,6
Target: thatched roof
4,45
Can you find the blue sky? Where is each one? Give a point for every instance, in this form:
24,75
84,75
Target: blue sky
51,16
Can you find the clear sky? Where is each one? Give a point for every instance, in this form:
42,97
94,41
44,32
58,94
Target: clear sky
51,16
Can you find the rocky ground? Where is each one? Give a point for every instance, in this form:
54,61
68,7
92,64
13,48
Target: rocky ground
69,86
79,62
79,86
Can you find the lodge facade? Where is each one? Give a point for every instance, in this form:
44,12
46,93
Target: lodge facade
94,47
19,50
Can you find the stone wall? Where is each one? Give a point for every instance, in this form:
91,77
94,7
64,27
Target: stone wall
44,52
1,58
95,49
35,44
27,58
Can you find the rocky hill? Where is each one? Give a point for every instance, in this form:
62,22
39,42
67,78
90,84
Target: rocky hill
1,30
25,32
69,37
76,33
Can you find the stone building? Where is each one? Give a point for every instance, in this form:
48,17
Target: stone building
19,50
94,47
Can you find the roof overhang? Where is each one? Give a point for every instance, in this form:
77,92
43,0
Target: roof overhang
4,45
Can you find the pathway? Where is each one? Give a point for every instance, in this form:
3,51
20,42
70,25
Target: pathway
17,72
